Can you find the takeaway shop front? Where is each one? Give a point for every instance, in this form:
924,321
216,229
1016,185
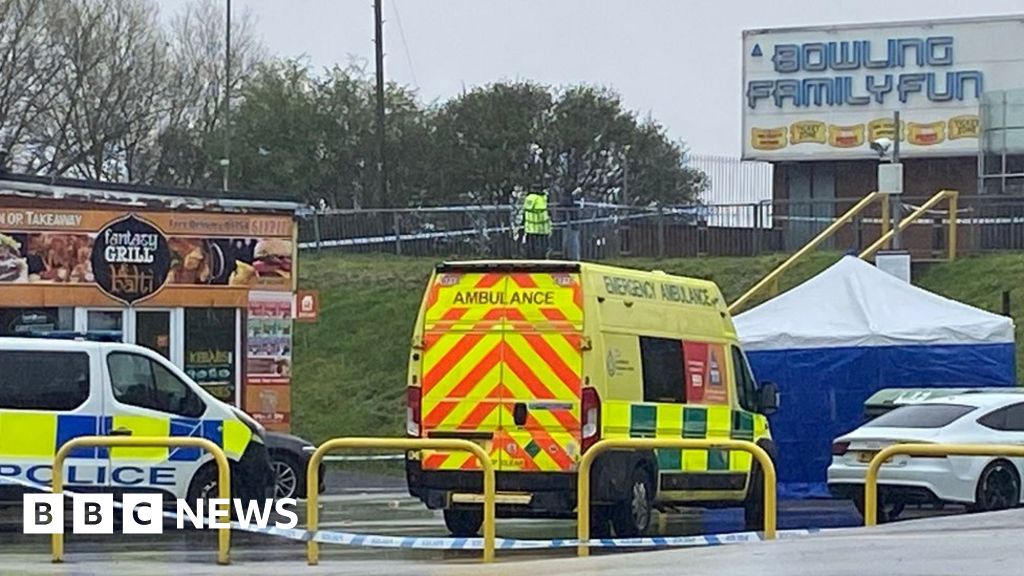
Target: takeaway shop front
210,289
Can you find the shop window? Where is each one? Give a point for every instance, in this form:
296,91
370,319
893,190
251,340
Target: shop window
18,321
661,360
42,380
139,381
104,320
210,350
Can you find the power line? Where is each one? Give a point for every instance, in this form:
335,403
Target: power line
405,45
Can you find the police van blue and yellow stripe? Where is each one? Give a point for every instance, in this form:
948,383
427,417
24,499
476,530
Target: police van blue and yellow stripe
31,435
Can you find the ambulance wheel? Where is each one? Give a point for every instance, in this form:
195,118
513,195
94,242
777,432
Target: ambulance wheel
632,515
464,522
753,506
600,521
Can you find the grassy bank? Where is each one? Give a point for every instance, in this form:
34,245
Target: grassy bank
350,366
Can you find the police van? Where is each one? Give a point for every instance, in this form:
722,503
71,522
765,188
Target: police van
60,387
537,361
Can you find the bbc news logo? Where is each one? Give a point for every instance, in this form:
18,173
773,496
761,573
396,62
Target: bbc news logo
144,513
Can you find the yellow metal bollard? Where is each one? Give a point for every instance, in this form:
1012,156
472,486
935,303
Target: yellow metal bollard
313,479
871,479
223,475
583,480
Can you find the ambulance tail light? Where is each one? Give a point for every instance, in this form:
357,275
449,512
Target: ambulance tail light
590,408
413,411
840,448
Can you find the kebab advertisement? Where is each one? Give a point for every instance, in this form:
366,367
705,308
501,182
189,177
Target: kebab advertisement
269,359
132,256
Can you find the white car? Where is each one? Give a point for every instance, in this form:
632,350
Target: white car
981,483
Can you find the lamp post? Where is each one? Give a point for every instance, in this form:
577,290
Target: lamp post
890,181
896,203
226,160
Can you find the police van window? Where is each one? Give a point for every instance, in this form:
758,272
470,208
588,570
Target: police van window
43,380
746,386
139,381
661,360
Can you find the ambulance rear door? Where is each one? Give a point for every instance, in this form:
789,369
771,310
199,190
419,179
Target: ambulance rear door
502,364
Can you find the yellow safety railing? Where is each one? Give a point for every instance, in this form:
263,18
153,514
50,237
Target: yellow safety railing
223,474
952,195
871,480
810,246
446,444
583,480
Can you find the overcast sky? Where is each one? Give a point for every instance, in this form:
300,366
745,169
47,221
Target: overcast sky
678,60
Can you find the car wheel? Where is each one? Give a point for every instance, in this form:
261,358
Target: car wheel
889,508
998,487
632,515
464,522
289,477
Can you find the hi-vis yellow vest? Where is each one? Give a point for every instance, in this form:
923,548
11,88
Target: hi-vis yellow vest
536,220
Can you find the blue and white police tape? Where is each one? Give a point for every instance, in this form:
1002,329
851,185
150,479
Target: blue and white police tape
422,543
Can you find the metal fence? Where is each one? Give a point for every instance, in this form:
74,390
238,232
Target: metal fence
986,223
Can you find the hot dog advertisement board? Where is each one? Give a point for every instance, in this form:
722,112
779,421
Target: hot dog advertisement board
828,92
139,257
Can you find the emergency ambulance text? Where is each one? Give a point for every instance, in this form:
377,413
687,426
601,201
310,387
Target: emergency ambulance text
649,290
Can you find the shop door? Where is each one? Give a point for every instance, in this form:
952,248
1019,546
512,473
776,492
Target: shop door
153,330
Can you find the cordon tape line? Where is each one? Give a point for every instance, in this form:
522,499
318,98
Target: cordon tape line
421,543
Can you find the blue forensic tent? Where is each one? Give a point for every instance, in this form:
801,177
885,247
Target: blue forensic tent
838,338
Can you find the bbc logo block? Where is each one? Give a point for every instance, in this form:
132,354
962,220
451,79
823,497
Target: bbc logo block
93,514
142,513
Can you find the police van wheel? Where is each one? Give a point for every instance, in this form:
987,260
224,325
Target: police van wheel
463,522
203,485
632,515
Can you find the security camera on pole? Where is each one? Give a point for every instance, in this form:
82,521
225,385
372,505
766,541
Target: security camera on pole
890,181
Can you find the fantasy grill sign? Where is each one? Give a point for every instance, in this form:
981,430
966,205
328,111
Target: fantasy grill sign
130,260
828,92
154,257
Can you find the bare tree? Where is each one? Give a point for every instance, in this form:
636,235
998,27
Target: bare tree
190,139
106,90
27,68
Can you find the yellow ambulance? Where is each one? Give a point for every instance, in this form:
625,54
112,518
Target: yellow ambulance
538,360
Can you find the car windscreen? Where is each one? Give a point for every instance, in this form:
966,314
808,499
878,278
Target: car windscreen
921,416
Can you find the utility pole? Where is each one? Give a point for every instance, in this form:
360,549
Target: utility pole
382,166
896,199
225,162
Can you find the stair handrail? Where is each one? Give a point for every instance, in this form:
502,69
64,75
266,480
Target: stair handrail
821,237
